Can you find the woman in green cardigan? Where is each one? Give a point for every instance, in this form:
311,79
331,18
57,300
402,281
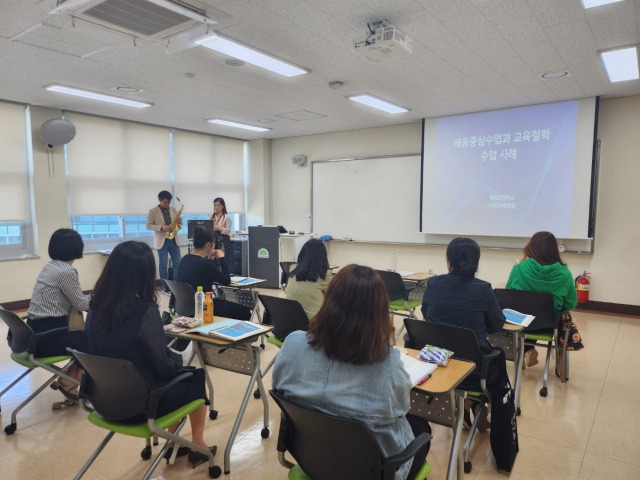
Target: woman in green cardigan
542,270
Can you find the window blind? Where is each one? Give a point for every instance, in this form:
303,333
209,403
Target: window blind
116,167
14,181
206,167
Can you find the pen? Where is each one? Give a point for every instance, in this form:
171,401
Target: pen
424,379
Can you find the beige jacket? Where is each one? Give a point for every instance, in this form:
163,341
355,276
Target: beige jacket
155,222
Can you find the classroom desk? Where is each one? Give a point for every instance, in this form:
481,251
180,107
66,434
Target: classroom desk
417,277
255,307
511,339
240,357
438,401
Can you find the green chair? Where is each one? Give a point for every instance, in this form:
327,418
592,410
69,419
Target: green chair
400,301
23,343
543,328
464,345
328,447
117,391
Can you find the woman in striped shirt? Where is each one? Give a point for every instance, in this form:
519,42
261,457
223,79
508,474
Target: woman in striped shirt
56,293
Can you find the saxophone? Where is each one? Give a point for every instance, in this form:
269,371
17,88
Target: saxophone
175,226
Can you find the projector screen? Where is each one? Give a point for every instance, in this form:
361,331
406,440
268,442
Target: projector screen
510,172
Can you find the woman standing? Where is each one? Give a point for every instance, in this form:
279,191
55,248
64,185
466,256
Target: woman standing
57,292
124,322
222,229
542,270
345,364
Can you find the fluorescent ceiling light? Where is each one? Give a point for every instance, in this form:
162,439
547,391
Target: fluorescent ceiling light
96,96
229,123
597,3
621,64
252,55
378,103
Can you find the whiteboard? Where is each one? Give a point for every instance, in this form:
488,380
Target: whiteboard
377,199
367,199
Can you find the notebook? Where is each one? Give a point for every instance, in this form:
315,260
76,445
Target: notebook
231,330
418,370
517,318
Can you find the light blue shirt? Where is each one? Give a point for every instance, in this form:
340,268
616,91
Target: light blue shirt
376,394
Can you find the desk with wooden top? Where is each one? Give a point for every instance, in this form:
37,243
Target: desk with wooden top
438,401
238,356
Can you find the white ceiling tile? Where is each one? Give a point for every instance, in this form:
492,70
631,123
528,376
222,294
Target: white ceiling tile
469,55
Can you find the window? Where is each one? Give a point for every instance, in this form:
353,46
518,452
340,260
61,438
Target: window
135,226
97,227
10,233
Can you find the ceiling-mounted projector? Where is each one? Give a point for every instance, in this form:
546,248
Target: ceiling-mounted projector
383,42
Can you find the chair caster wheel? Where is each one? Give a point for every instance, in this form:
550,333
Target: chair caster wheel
467,467
10,429
215,471
518,411
543,392
262,346
264,433
145,454
213,414
256,394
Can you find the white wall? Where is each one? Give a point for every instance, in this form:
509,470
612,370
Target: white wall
613,265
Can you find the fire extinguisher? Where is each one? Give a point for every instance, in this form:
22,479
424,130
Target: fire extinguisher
582,287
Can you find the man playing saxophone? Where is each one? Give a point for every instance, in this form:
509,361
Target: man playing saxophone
162,220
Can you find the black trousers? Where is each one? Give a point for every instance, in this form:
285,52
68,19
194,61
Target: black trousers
418,426
56,344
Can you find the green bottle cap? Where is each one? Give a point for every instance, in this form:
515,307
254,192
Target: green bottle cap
199,289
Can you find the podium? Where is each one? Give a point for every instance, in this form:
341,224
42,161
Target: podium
264,255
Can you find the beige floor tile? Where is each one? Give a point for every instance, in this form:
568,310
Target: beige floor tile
595,467
615,443
583,428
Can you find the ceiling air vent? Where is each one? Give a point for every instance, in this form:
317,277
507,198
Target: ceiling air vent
148,19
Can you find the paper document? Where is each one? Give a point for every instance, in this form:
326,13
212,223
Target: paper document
229,329
517,318
244,280
418,370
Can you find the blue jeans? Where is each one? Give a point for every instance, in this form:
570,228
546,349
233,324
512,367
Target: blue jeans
170,247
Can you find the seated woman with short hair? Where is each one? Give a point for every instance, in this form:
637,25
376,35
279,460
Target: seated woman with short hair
198,270
56,293
309,279
124,322
345,364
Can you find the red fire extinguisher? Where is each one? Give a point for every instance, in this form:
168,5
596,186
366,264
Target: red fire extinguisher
582,287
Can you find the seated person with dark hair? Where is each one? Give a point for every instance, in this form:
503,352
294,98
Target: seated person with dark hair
462,300
198,270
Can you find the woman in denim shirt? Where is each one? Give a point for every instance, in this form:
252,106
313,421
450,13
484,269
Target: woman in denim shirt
345,364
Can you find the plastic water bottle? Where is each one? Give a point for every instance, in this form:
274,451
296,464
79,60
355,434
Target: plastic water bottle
394,262
199,300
